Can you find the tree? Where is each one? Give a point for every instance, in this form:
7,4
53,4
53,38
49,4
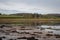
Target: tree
0,14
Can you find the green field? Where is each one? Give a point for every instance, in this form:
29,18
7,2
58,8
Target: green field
27,21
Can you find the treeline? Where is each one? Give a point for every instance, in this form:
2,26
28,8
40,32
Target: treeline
31,15
36,15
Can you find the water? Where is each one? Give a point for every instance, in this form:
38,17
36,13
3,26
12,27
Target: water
37,31
54,28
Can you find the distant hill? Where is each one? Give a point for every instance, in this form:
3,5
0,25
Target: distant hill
58,15
36,15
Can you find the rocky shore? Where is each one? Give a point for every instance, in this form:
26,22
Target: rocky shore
25,33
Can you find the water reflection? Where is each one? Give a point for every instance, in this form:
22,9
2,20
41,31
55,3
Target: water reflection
51,28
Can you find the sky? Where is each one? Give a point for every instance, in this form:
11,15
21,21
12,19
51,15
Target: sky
30,6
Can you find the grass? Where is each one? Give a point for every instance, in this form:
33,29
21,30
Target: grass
20,19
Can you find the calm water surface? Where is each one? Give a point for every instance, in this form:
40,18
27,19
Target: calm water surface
54,28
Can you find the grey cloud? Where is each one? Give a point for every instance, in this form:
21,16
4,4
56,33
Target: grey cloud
47,5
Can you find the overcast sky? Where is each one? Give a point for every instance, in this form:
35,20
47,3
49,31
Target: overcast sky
30,6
